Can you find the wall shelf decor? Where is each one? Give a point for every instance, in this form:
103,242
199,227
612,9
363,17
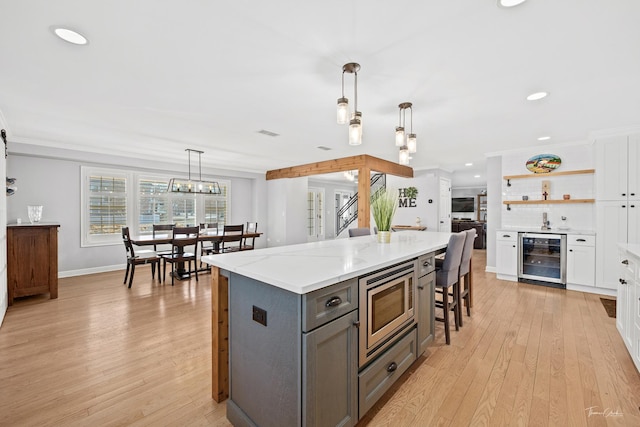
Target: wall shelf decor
545,176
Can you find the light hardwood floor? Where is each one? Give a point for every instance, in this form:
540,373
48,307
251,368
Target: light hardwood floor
105,355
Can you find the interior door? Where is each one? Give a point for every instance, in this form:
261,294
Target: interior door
315,218
444,206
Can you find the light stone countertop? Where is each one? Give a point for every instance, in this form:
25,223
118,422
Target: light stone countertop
631,248
551,231
307,267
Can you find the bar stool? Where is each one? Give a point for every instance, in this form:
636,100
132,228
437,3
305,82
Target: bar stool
465,273
448,276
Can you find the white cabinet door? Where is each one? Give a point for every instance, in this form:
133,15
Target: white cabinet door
611,168
612,229
507,255
633,163
581,261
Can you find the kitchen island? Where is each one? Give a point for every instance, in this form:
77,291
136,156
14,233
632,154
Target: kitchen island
289,322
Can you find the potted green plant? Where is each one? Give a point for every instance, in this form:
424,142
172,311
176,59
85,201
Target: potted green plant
384,203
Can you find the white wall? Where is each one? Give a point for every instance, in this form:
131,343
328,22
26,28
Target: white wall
575,156
494,207
52,178
4,297
287,211
427,182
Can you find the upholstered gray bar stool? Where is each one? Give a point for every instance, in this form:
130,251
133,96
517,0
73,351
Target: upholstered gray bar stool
465,269
447,278
360,231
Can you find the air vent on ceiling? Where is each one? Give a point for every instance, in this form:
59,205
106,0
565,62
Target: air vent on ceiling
268,133
322,147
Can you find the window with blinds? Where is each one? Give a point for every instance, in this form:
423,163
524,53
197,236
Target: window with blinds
113,198
154,204
107,204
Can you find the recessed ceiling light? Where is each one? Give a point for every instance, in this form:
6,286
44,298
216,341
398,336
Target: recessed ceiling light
510,3
544,138
70,35
468,164
476,176
536,96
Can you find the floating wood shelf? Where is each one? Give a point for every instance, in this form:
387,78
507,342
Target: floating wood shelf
544,202
546,175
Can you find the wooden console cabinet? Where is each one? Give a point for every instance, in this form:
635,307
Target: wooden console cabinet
32,260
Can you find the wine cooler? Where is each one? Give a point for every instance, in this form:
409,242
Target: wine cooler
543,258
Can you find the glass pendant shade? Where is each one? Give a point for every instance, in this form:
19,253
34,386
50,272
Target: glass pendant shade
404,156
399,136
343,111
412,143
355,132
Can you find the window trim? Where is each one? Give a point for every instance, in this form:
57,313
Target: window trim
132,202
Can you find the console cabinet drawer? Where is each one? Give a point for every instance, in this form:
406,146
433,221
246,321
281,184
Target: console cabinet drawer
327,304
378,377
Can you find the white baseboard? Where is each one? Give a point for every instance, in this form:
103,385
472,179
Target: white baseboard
593,290
490,269
82,272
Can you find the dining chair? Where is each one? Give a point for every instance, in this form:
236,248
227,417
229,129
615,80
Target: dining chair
359,231
231,238
163,229
184,244
249,242
447,278
134,258
465,273
207,247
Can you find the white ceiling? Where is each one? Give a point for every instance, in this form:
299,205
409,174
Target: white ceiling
161,76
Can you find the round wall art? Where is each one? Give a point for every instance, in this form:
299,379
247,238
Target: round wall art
543,163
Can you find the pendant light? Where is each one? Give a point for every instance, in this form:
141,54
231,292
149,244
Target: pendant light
194,186
407,142
355,121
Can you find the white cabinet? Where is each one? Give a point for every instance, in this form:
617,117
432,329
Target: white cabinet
507,255
617,204
581,258
628,304
617,176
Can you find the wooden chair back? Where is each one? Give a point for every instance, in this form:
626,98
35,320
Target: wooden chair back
232,238
249,242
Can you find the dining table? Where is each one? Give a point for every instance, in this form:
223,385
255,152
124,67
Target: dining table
209,235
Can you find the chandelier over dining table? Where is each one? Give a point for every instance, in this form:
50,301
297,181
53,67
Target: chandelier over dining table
194,186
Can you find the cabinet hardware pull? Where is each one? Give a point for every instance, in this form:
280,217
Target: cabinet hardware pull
632,194
506,235
624,206
632,206
357,324
580,240
333,301
625,262
392,367
624,194
426,264
624,282
420,287
570,250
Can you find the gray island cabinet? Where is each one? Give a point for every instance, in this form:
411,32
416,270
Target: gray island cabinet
295,319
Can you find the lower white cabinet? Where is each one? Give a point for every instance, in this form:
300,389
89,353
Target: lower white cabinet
507,255
581,260
628,302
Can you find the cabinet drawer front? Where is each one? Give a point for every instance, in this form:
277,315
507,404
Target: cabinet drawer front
426,264
378,377
580,240
326,304
511,236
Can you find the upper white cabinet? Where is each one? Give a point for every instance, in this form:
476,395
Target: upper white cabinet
617,203
617,175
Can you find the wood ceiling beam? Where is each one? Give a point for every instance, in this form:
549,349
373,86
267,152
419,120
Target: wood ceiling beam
363,163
